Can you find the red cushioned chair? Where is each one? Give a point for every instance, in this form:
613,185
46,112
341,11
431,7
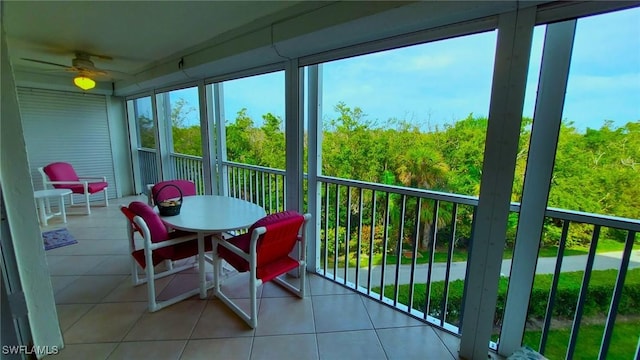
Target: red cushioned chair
264,251
159,245
61,175
161,191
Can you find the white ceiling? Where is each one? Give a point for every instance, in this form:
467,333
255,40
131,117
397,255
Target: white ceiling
136,34
150,41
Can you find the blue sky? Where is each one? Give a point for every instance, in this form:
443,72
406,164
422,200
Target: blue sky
440,82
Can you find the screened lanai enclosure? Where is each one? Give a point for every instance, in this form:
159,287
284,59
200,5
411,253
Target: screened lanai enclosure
477,174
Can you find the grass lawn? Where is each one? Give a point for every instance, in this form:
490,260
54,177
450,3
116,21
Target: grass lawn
623,341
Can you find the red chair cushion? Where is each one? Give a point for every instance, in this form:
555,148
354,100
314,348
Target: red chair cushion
60,171
187,187
273,218
158,233
175,252
157,229
264,272
273,247
79,189
242,242
279,239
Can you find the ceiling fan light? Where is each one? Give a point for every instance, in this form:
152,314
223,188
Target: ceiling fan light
84,82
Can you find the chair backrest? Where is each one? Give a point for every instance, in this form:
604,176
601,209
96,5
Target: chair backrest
60,171
157,229
187,187
282,233
130,216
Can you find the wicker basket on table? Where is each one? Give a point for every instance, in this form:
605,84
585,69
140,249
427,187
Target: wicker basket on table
169,207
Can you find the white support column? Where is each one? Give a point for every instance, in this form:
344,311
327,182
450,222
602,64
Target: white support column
208,149
314,162
552,86
158,133
515,30
221,139
294,136
134,142
163,133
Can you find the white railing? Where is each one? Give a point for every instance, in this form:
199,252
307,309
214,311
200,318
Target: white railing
364,258
260,185
366,227
188,167
148,166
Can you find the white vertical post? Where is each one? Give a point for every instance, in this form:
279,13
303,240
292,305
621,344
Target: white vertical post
208,149
552,86
134,144
294,136
314,162
221,139
155,104
501,148
19,229
161,104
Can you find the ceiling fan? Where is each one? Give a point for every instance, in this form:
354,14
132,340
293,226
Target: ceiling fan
84,68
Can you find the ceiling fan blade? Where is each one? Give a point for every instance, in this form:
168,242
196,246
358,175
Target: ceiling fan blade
88,54
102,57
48,63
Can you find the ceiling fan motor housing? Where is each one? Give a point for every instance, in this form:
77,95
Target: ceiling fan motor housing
81,63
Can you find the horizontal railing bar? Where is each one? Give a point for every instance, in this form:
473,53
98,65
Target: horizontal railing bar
186,156
255,167
617,294
435,195
576,216
594,219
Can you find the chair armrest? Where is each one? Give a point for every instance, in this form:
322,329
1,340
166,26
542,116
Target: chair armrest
67,182
93,178
174,241
252,255
234,249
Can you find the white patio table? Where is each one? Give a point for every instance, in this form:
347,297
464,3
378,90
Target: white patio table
212,214
44,205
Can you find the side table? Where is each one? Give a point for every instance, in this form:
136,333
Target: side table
44,206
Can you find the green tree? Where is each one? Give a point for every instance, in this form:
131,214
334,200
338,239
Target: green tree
146,132
186,139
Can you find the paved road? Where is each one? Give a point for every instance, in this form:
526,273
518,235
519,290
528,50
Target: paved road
604,261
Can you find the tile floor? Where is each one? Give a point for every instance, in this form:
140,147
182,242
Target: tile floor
102,316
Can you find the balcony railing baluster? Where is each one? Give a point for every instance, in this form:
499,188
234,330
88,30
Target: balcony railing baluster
371,240
554,286
582,297
432,254
359,250
336,252
396,282
385,244
326,228
267,187
452,242
617,294
347,235
414,252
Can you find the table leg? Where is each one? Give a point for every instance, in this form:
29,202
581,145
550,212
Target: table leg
46,199
43,215
63,211
201,268
216,264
